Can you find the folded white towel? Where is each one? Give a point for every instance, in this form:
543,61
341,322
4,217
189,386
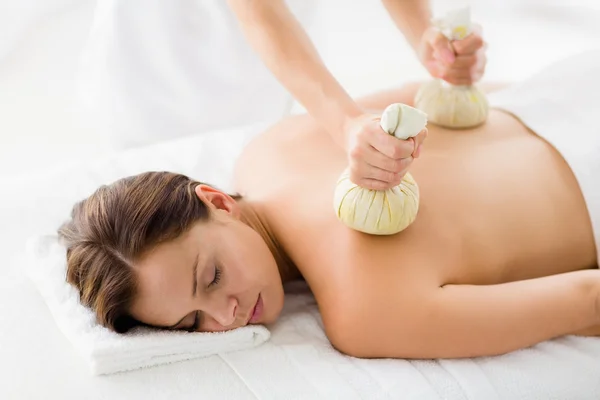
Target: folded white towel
107,351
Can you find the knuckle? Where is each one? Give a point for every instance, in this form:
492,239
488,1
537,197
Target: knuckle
367,130
458,46
435,36
399,178
384,176
391,176
446,75
397,167
438,40
362,134
377,185
388,147
387,139
367,184
355,152
385,150
396,152
431,32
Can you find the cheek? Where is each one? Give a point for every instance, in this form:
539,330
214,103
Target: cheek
241,266
253,257
251,265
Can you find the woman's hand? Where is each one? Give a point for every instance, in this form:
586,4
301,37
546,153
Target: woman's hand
378,160
459,62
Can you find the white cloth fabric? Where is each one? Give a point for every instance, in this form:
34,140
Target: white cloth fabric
19,18
106,351
297,362
301,364
153,70
561,104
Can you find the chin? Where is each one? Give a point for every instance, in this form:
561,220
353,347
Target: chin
273,308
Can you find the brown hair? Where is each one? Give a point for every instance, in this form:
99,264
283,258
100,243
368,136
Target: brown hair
111,229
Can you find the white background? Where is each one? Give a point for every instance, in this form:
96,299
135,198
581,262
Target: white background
40,42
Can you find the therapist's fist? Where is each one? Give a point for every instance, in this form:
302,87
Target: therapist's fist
376,159
459,62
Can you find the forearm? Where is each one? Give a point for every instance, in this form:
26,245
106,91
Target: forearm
469,320
285,48
458,321
412,17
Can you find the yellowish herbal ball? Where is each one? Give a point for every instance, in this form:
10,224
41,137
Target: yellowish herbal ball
452,106
378,212
383,212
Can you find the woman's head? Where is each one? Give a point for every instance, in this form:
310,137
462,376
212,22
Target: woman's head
163,250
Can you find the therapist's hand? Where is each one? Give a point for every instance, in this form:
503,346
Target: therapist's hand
459,62
378,160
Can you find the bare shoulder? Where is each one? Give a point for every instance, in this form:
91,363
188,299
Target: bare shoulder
368,288
268,156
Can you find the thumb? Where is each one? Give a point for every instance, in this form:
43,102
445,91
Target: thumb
442,46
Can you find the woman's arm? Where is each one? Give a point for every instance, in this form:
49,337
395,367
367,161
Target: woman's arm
411,17
285,48
459,62
456,321
376,159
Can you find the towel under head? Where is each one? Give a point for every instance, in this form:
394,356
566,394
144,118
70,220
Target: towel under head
106,351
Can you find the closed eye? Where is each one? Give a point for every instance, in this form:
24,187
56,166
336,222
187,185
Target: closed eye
217,277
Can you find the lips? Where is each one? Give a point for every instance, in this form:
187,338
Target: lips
256,311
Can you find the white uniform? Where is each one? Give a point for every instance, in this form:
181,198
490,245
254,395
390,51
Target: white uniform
154,70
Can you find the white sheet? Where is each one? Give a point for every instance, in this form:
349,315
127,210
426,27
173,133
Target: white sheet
297,363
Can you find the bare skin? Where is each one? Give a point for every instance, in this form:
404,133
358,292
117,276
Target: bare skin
500,257
288,52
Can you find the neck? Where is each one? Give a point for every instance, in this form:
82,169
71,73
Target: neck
252,215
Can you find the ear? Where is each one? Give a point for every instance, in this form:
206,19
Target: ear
217,200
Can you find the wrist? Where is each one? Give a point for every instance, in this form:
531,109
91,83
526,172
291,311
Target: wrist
348,123
412,18
417,41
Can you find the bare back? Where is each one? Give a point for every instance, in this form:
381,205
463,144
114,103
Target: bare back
497,204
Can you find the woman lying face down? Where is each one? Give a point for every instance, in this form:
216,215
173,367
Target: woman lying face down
502,254
166,251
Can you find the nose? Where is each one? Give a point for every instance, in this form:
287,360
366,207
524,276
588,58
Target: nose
224,310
